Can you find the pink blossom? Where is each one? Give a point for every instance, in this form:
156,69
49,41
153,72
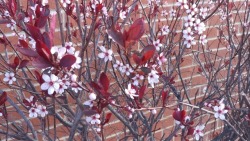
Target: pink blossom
198,132
131,92
51,83
9,77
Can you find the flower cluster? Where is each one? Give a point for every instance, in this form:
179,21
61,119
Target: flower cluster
219,108
193,24
35,109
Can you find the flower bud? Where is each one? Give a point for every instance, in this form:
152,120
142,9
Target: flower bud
92,96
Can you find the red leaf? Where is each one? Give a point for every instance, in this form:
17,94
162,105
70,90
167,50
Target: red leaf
136,30
16,61
41,21
27,52
96,86
142,91
190,131
148,52
3,41
3,98
164,95
38,76
47,40
179,115
41,63
12,7
104,81
43,50
136,58
108,116
35,32
116,36
26,103
67,61
23,43
23,63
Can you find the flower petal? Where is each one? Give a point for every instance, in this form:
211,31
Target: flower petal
45,86
51,90
46,78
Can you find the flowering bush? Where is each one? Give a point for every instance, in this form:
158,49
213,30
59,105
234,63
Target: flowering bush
125,61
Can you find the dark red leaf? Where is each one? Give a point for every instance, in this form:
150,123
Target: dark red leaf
41,21
164,95
27,52
16,61
46,40
142,91
148,52
108,116
41,63
67,61
23,63
190,131
136,30
38,76
96,86
3,98
104,81
116,36
35,32
43,50
136,58
3,41
26,103
23,43
12,7
179,115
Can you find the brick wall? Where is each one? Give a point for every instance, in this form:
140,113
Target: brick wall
186,73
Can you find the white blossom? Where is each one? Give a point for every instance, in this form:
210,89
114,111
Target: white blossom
9,77
153,78
165,30
94,119
161,59
42,110
51,83
220,111
203,39
122,14
65,3
105,54
198,132
92,96
33,112
157,44
131,92
136,79
127,69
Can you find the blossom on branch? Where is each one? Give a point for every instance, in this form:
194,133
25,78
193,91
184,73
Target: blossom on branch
131,92
94,119
51,83
9,77
105,54
153,78
220,111
198,132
